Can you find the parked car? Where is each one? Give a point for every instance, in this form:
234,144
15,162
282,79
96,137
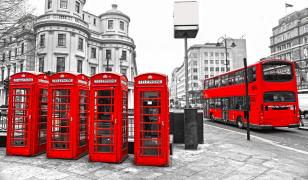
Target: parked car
303,102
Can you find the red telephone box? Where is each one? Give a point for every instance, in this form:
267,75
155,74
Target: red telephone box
27,118
108,132
151,122
67,116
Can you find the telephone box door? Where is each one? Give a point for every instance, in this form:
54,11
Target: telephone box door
151,126
21,117
61,119
104,122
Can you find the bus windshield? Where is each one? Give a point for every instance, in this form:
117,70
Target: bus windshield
277,71
282,96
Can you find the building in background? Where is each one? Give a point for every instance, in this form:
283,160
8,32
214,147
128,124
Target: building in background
204,61
17,52
67,38
290,41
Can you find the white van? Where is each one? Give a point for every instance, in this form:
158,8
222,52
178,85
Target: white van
303,102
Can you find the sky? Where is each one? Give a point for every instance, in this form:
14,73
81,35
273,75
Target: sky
151,26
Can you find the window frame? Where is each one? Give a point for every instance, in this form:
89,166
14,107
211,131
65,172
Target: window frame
77,7
110,24
79,65
61,40
41,64
42,40
80,44
49,4
93,53
121,23
63,4
58,68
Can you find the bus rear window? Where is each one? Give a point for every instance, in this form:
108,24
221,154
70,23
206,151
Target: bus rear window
277,71
279,97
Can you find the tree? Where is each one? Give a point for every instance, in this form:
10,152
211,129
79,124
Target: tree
10,12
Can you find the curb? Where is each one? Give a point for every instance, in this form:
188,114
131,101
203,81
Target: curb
305,128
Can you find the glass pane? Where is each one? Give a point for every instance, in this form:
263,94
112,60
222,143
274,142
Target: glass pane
43,115
20,117
83,116
103,122
277,71
279,97
60,119
125,120
150,142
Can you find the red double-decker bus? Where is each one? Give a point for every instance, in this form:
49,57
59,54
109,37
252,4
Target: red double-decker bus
272,96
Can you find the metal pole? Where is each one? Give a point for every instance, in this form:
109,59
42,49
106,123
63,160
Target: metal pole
226,49
186,73
246,114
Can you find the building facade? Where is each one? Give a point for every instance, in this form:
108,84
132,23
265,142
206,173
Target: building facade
204,61
289,40
67,38
17,52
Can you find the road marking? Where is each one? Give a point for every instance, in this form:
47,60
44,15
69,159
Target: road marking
264,140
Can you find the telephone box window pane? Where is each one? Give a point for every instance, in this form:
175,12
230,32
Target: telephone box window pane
43,115
20,117
103,121
125,121
150,141
83,114
60,119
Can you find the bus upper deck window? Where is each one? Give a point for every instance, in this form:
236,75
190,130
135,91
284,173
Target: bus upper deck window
277,71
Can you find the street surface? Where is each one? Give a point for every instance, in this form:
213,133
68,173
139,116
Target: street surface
225,154
290,137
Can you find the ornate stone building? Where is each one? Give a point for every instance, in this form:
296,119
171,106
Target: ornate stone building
290,41
73,40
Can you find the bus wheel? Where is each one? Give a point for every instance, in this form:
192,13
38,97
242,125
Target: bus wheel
239,122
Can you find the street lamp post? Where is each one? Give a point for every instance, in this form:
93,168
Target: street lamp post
247,108
224,39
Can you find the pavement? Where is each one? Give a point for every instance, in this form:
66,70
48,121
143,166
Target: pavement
226,155
305,127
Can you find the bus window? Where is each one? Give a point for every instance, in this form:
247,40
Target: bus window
239,77
224,80
231,79
252,75
211,83
218,103
211,103
239,102
283,96
206,84
277,71
217,81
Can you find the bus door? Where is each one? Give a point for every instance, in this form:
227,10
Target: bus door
225,108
